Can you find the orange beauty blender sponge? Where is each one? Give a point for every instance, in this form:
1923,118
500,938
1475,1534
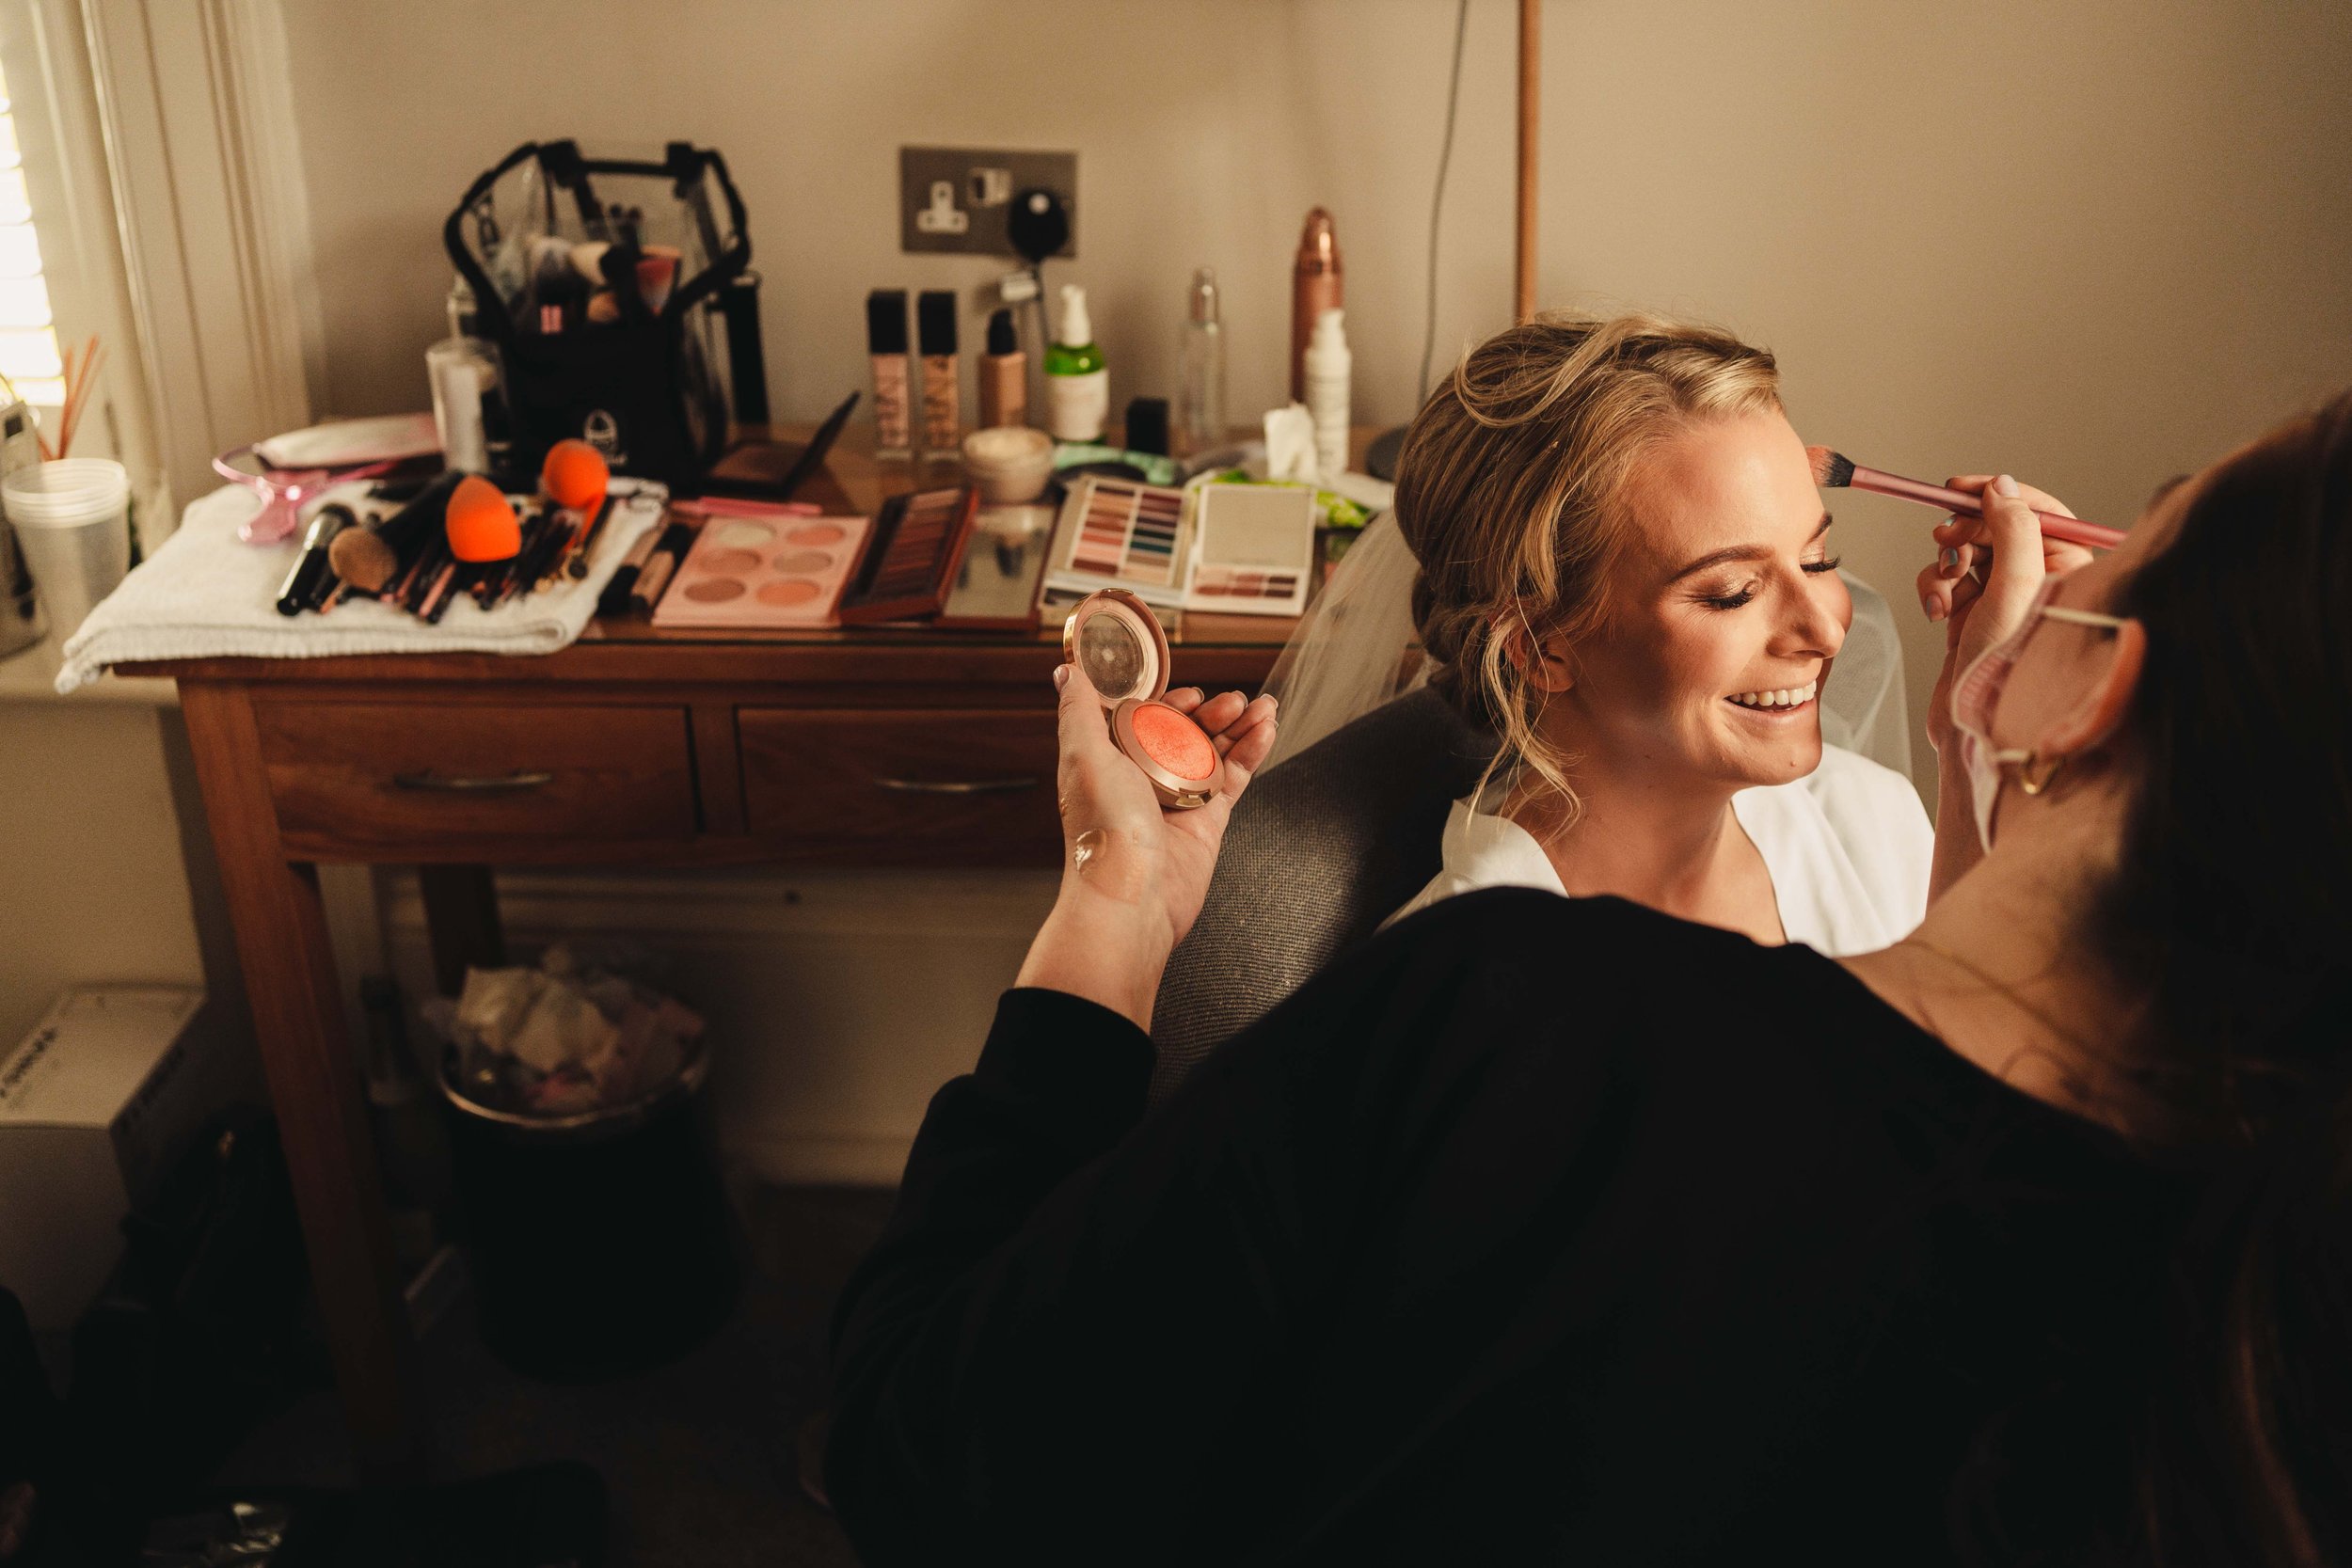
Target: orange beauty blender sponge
574,477
480,522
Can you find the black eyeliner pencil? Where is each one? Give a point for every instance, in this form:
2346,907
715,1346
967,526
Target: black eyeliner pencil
511,582
428,572
660,566
531,565
511,572
436,593
578,565
623,582
489,580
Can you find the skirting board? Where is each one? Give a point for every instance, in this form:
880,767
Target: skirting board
838,1001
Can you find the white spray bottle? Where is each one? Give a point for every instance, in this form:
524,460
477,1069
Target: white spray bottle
1330,370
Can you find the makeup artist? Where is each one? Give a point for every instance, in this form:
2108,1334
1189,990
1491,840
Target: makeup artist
1559,1230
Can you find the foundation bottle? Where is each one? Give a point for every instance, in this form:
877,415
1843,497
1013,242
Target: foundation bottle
935,340
1004,376
886,352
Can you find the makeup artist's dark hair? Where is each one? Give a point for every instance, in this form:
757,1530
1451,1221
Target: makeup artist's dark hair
2230,908
1511,488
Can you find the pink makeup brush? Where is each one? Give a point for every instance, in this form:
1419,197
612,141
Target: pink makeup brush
1834,470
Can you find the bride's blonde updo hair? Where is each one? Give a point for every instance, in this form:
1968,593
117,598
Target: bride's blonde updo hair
1510,489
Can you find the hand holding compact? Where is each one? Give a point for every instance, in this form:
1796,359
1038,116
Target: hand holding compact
1135,872
1120,841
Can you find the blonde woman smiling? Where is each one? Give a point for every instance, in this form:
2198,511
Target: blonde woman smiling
1626,570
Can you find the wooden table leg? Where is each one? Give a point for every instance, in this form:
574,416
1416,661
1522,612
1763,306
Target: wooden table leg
314,1086
461,922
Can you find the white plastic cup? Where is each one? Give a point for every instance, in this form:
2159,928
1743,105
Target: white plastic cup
72,521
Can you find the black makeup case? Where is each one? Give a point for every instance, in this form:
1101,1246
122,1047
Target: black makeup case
649,371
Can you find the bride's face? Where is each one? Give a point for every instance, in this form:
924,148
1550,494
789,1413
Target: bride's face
1724,610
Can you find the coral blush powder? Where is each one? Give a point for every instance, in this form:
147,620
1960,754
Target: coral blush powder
1174,741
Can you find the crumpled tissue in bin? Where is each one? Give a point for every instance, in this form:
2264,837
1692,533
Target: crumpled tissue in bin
579,1033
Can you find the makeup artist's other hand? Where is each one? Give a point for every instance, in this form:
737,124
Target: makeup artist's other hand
1986,573
1133,876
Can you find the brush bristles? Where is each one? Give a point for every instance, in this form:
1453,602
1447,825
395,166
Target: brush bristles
361,559
1832,471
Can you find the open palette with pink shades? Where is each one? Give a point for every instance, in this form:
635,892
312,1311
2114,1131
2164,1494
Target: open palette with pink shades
764,570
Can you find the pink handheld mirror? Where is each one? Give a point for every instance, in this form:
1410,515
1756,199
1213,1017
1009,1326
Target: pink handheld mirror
284,490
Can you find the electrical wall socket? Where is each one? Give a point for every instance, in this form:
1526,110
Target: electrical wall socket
954,198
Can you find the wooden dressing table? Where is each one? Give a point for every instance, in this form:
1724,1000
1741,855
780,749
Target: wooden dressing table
870,748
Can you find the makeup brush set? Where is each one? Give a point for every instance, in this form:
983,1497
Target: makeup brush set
459,536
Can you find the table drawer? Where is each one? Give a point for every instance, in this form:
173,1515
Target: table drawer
900,787
432,782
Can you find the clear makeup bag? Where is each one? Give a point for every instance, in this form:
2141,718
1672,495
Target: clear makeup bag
619,296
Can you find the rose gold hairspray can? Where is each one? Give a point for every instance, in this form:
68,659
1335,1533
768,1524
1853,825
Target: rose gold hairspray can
1315,287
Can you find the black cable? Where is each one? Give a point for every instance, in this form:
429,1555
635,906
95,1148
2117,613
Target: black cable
1045,346
1436,201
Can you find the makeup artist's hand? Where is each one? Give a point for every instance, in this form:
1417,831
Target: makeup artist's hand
1985,575
1133,876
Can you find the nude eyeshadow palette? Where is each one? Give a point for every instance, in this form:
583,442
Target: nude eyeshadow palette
752,571
1253,548
1116,535
917,551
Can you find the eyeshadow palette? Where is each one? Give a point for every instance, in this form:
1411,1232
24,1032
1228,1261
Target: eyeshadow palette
1115,534
918,548
763,570
1253,548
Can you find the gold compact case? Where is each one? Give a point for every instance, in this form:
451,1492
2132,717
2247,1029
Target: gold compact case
1114,637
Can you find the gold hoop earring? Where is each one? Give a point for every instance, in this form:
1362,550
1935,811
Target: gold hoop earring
2028,784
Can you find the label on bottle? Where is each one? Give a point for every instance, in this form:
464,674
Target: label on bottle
1079,404
893,432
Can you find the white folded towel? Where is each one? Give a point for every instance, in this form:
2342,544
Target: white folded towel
207,595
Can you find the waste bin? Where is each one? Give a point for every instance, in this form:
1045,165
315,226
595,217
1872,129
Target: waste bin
599,1242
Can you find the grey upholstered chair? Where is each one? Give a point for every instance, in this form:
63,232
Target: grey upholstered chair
1328,843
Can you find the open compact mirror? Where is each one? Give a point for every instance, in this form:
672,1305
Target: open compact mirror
1114,637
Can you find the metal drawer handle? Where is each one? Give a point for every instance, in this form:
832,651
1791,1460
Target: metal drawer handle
500,783
956,787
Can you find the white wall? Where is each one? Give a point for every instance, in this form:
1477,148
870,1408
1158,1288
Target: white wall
105,874
2093,243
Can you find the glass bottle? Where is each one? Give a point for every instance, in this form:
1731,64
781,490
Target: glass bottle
1201,405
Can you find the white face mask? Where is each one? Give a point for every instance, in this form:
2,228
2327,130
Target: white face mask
1979,689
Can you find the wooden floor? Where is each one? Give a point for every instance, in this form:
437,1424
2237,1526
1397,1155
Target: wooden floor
698,1455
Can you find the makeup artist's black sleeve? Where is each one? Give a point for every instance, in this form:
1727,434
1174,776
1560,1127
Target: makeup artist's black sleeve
1070,1301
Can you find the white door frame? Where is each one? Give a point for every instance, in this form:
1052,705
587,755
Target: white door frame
62,140
204,156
